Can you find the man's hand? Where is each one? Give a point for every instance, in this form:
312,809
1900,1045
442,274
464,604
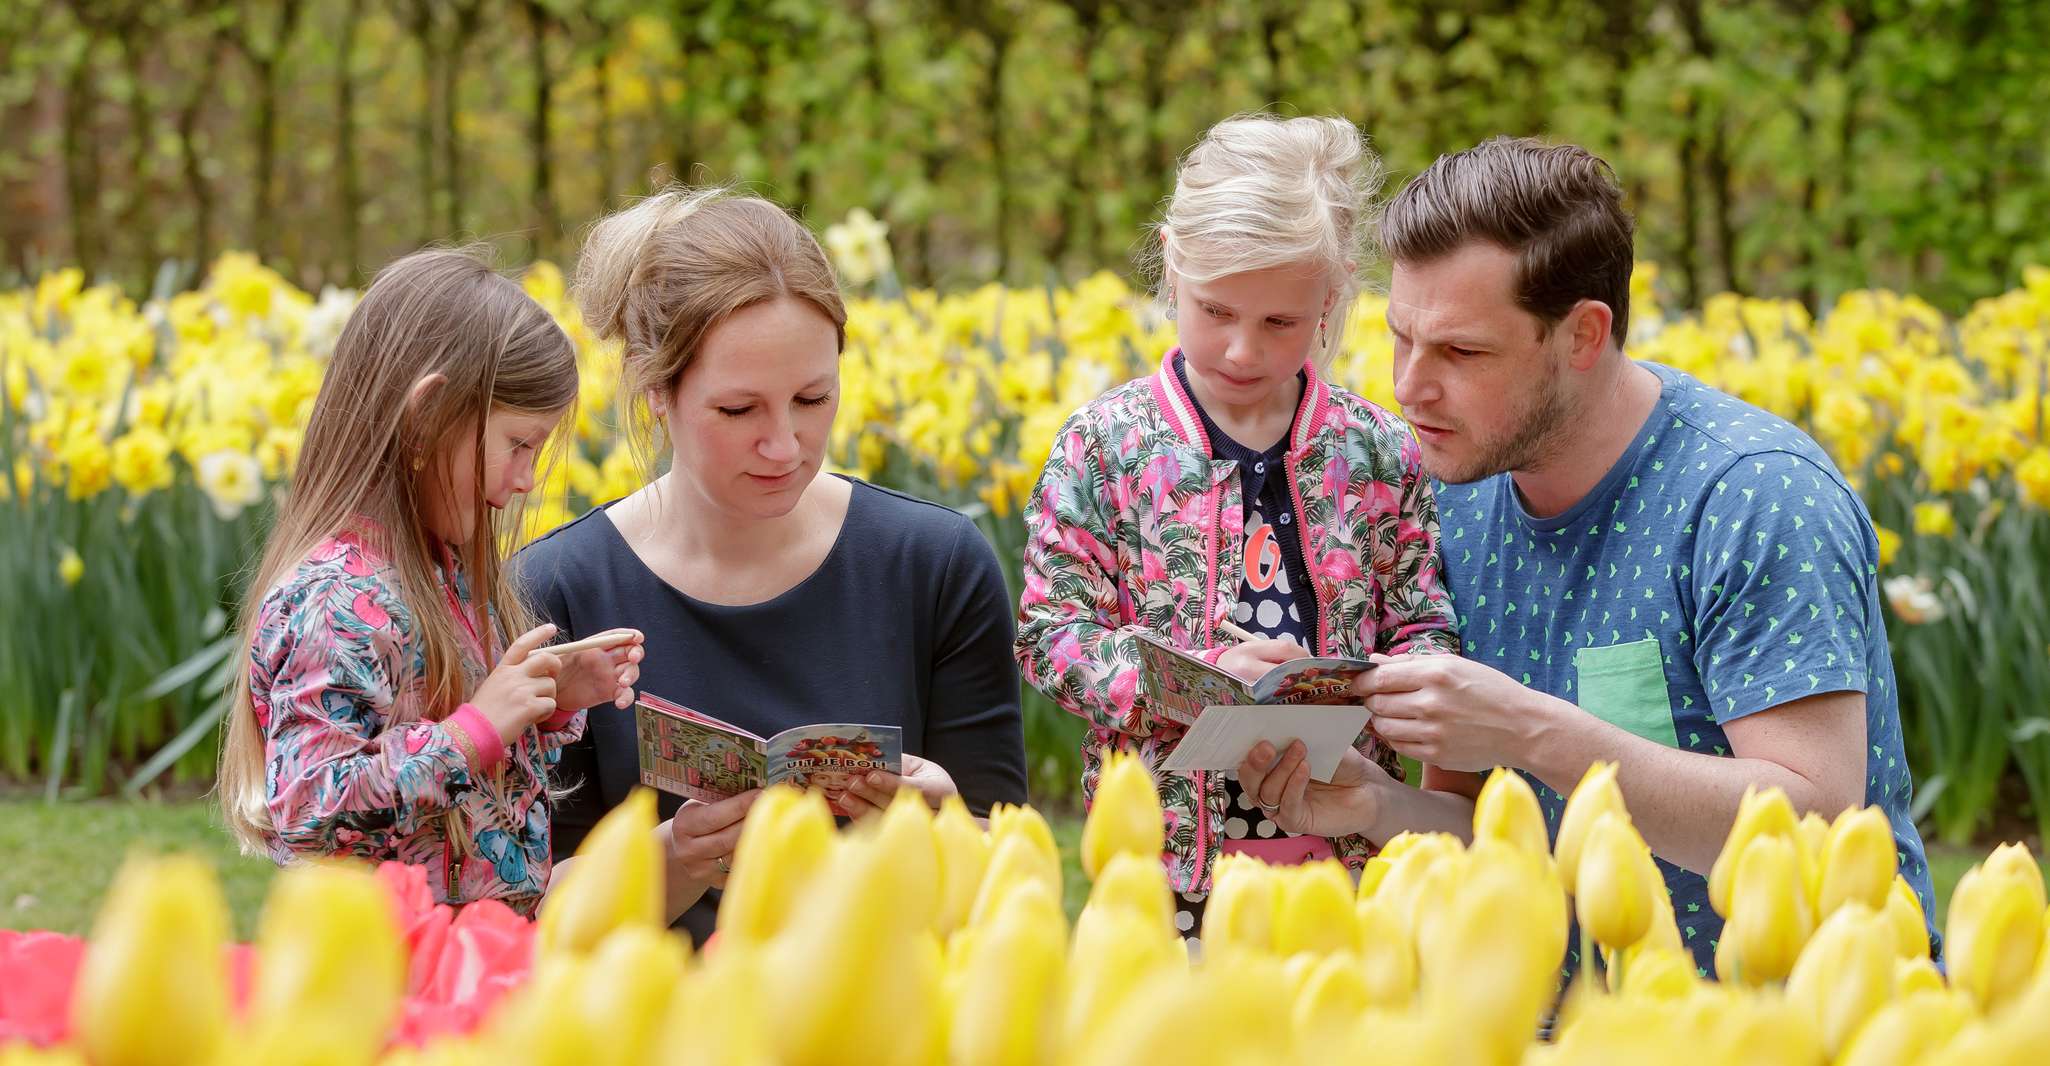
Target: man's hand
1454,713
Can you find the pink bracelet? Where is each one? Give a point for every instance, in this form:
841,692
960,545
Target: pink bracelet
477,737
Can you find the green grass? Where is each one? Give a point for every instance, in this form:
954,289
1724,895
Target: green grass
60,858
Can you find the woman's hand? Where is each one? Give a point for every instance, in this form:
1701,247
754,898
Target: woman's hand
873,791
702,837
521,691
1345,805
601,675
1251,660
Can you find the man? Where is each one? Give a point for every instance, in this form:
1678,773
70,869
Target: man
1647,571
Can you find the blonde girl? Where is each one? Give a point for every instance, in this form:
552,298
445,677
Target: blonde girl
1235,485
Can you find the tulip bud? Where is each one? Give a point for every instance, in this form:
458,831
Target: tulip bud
618,880
905,834
1014,857
1316,910
1596,794
1764,813
1137,883
1994,935
1116,952
1653,972
152,989
1770,919
865,968
1619,883
1239,915
1124,814
1845,973
964,858
2014,860
1507,810
782,845
329,959
1387,955
1908,1029
1857,861
1904,913
1493,962
1007,987
1917,974
1330,998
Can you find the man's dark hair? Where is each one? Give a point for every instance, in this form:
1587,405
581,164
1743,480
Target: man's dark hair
1556,207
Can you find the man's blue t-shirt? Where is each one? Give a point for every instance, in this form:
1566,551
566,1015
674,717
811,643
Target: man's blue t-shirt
1722,568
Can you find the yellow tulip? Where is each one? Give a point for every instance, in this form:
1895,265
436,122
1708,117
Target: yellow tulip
1315,911
964,857
618,880
1014,858
782,845
1769,920
1761,813
1933,519
1656,972
1136,883
2014,860
1387,955
1507,810
1494,962
1858,861
866,969
1332,995
330,959
1595,795
1239,915
1619,883
1993,937
1904,913
1004,994
631,981
1124,814
1845,973
905,832
1914,975
1116,952
153,985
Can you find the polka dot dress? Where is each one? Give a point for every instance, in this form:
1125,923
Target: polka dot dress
1274,601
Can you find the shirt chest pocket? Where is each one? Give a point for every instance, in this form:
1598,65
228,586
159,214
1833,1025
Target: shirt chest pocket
1625,686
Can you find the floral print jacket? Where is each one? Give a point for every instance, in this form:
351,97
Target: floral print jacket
356,764
1133,522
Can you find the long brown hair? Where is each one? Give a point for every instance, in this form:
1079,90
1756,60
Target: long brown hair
372,455
657,276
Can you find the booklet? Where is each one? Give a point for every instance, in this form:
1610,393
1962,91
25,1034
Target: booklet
1182,685
699,757
1222,735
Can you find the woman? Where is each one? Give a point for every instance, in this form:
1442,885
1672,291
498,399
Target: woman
771,595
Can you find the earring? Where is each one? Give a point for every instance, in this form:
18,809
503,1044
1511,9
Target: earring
1170,303
1323,339
419,463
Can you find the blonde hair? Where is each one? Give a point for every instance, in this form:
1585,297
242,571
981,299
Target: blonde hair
657,276
1260,191
370,453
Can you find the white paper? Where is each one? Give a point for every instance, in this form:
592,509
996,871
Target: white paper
1223,735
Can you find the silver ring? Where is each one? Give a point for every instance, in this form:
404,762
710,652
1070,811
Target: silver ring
1269,811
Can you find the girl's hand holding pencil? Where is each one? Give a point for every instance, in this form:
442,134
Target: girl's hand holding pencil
1255,655
521,691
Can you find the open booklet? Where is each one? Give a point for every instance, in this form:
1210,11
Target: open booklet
699,757
1181,685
